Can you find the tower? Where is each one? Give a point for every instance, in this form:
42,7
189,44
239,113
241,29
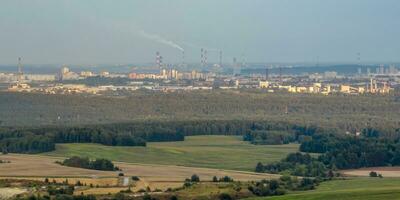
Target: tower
234,65
19,77
266,73
243,61
359,64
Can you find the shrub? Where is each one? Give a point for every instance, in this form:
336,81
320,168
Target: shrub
225,196
373,174
135,178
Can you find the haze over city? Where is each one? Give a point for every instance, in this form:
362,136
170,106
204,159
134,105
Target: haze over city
199,99
119,32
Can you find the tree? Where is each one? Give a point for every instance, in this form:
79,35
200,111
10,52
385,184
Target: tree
215,179
195,178
259,167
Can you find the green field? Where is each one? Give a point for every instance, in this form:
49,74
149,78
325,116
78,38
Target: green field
354,189
222,152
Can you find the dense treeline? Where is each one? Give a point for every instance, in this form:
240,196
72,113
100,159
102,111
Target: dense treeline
270,137
346,113
281,186
345,152
296,164
134,134
155,116
336,151
86,163
33,140
27,144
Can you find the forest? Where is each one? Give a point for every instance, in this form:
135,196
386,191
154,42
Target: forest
338,151
19,140
34,123
86,163
344,112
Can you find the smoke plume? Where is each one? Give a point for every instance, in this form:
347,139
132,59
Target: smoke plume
161,40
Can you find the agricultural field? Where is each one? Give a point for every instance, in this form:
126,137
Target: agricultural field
384,171
352,189
37,168
6,193
220,152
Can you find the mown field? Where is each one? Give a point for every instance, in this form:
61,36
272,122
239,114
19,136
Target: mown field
353,189
221,152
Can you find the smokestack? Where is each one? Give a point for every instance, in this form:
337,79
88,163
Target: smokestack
158,60
266,73
183,58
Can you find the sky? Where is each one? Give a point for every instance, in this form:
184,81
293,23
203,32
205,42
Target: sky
91,32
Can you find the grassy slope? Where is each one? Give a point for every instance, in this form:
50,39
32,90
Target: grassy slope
354,189
223,152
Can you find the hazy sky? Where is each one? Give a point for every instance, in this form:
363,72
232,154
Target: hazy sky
131,31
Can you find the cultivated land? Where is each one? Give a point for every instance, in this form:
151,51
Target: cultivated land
385,171
6,193
34,167
221,152
352,189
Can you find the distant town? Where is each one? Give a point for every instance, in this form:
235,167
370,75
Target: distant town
380,79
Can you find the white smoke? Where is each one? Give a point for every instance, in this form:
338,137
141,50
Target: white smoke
160,39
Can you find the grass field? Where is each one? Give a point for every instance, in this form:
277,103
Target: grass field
221,152
353,189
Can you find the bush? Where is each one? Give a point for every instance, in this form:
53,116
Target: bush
225,196
226,179
147,197
142,190
373,174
